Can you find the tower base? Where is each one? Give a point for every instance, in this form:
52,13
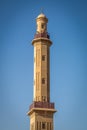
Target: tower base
41,118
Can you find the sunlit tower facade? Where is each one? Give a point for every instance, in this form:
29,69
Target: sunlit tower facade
41,111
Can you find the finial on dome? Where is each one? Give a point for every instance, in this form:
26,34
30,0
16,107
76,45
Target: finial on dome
41,10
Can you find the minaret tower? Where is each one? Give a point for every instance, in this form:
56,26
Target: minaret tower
41,110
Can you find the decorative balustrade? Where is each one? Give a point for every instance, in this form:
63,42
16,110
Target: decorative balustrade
39,35
42,105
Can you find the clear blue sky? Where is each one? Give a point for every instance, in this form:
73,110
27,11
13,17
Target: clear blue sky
68,30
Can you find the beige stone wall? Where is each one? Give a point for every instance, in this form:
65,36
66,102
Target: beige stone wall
32,121
40,118
41,72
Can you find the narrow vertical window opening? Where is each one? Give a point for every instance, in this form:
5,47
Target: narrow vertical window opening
43,57
43,126
43,80
42,25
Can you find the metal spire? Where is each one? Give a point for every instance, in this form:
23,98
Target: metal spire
41,10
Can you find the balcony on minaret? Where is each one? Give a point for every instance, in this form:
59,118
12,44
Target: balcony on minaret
41,105
42,35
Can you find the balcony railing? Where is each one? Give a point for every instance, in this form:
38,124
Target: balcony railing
39,35
41,105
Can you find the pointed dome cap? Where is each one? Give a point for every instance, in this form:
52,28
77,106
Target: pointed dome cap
41,16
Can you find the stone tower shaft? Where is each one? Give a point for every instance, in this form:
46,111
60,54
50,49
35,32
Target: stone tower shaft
41,110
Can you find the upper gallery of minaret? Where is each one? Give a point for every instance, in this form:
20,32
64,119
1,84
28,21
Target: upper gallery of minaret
41,26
